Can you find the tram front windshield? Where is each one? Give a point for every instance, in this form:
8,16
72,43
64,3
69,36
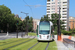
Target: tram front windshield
44,28
44,32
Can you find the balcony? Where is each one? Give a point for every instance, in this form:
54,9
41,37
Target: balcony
65,9
65,0
48,13
64,4
65,21
64,13
48,10
65,24
48,5
48,1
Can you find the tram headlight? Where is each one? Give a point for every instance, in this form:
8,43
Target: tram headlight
40,36
47,37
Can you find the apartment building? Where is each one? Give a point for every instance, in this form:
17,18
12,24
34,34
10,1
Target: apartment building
53,7
72,22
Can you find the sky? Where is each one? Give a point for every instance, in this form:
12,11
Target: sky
18,6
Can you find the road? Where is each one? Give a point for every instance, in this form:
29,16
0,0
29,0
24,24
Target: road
4,36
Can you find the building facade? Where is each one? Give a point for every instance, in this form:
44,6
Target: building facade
35,24
53,7
71,22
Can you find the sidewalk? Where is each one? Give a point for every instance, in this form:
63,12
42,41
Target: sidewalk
61,46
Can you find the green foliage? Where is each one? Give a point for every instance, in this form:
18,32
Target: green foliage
28,23
6,17
55,31
54,18
66,32
32,34
45,18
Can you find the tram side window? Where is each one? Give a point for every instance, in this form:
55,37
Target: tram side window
37,30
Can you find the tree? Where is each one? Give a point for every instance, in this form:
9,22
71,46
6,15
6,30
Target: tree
45,18
54,18
28,24
5,17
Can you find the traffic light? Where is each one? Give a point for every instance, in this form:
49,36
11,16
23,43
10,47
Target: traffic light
17,22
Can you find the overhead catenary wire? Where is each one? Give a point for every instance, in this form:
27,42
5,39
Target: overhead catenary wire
29,7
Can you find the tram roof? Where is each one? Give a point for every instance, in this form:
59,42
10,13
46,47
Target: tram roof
45,21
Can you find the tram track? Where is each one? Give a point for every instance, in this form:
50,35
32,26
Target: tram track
36,44
47,46
19,44
33,45
14,41
11,42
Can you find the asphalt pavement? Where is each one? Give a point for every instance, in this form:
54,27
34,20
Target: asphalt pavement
4,36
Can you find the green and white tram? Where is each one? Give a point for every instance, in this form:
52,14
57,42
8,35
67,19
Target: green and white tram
44,31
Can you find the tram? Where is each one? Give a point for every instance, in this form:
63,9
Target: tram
44,31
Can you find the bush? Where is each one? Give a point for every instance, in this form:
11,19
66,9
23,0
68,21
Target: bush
55,32
66,32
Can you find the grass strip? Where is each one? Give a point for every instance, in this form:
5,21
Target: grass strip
32,34
1,41
15,43
40,46
10,41
52,46
25,46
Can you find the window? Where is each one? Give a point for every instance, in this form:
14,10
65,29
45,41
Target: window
52,0
53,3
53,11
59,2
53,8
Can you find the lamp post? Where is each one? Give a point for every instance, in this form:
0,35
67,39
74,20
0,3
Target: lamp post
17,28
7,29
59,32
26,22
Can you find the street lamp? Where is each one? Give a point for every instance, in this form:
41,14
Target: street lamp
7,29
26,24
25,13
